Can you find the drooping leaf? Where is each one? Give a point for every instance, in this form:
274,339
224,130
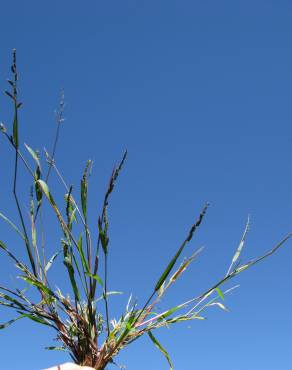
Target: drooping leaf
161,349
12,225
12,300
11,255
219,304
108,294
8,323
52,348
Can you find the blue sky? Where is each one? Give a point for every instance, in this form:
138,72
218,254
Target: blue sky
200,95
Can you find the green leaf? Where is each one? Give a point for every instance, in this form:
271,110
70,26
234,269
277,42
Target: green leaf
8,323
39,285
169,267
129,325
37,319
171,264
12,225
12,300
3,246
68,207
95,277
68,264
52,348
220,293
15,130
33,154
168,313
38,192
81,254
103,237
72,218
45,189
161,349
84,190
242,268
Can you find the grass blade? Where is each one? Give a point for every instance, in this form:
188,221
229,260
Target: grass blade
178,253
12,225
240,247
37,319
84,190
161,349
34,155
82,255
68,263
220,293
8,323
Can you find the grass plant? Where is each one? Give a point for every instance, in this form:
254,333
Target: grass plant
82,328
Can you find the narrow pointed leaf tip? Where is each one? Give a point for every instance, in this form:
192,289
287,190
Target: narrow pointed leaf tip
84,189
10,322
161,349
240,246
220,293
12,225
51,261
171,264
220,305
33,154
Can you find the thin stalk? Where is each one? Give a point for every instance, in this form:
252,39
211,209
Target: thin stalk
79,213
59,120
110,188
19,154
67,189
27,244
105,293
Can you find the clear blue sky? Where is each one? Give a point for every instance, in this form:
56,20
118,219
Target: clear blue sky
200,94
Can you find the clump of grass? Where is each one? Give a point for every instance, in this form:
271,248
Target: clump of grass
76,318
